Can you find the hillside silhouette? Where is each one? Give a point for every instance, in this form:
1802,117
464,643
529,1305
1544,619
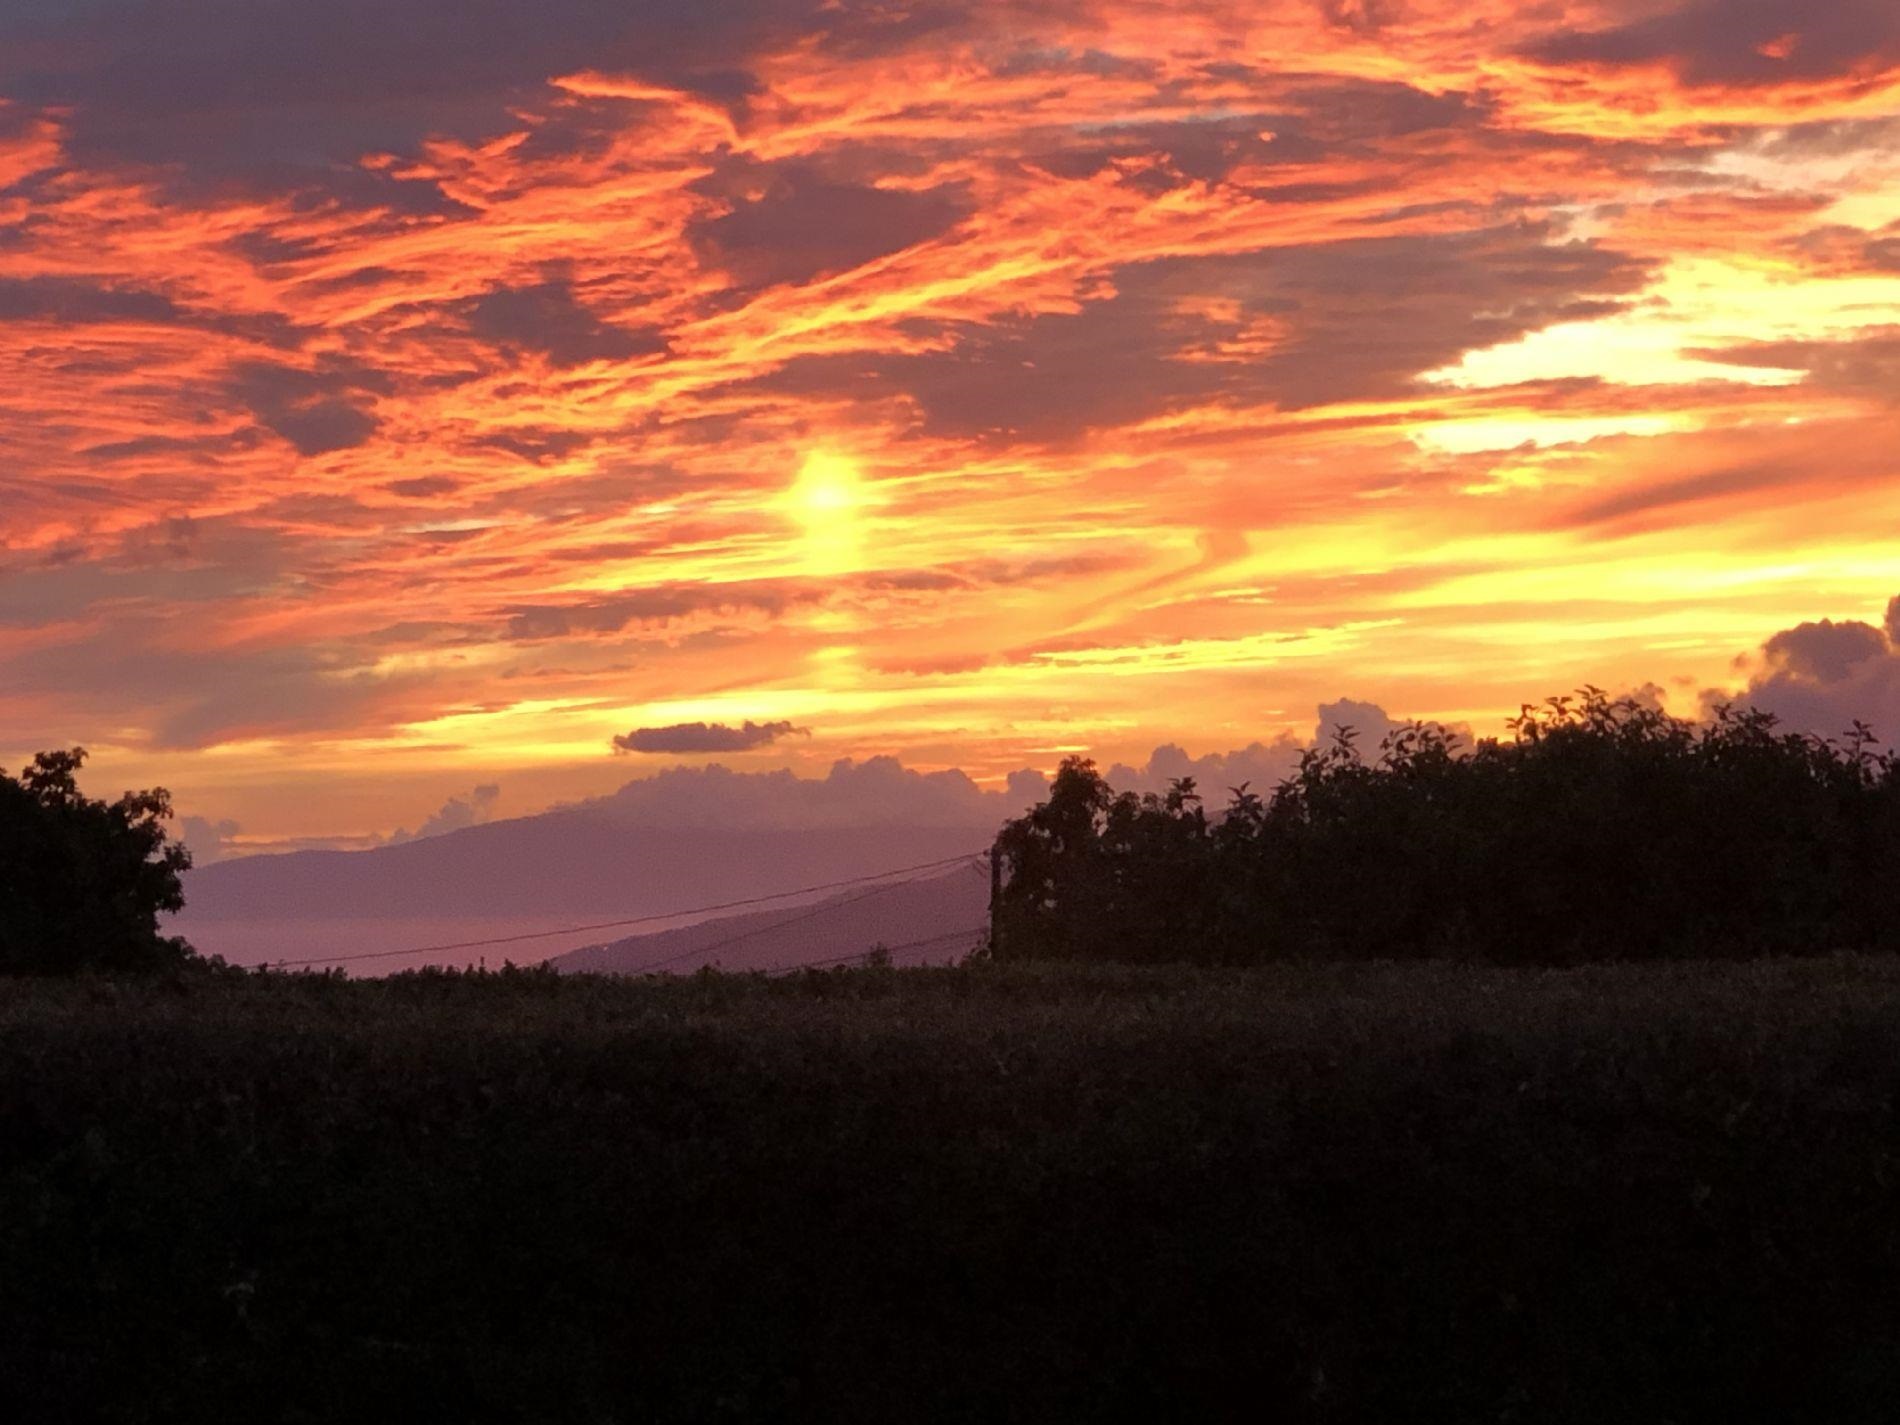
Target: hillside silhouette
918,922
524,875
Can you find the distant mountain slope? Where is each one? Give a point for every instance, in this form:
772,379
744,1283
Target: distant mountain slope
568,863
665,845
948,912
511,877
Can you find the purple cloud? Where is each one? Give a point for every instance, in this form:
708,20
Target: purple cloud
690,737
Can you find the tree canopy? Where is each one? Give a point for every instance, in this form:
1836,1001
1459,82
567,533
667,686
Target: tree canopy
82,882
1600,829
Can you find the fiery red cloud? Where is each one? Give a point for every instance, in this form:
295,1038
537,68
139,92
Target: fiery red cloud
406,396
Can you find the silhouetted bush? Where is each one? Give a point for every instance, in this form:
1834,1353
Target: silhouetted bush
1603,829
82,882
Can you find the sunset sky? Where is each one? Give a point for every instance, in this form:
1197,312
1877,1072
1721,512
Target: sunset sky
404,398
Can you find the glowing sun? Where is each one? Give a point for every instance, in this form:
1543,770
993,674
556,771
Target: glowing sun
827,500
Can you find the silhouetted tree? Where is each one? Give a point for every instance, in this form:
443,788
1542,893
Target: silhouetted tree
82,882
1088,866
1600,829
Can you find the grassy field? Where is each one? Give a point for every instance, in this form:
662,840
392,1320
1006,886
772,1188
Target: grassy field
1343,1193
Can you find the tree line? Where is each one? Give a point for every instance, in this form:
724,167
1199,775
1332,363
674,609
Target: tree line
1600,828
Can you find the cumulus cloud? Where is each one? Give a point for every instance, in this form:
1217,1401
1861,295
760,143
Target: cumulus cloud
208,841
1027,787
455,814
1825,651
1822,676
1369,721
879,791
1260,766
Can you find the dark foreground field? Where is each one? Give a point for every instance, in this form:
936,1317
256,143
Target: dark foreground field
1328,1194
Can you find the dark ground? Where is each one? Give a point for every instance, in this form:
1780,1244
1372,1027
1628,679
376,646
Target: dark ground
1371,1193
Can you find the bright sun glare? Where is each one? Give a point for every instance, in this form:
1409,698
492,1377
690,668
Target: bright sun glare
828,489
826,500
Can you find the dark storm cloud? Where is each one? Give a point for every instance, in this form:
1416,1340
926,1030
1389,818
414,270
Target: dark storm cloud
1743,42
692,737
547,318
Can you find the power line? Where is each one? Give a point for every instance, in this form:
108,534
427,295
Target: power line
757,930
620,924
860,954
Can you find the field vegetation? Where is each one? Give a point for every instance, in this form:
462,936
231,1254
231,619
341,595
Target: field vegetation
1323,1192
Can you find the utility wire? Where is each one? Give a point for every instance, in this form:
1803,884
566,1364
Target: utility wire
825,909
618,924
860,954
